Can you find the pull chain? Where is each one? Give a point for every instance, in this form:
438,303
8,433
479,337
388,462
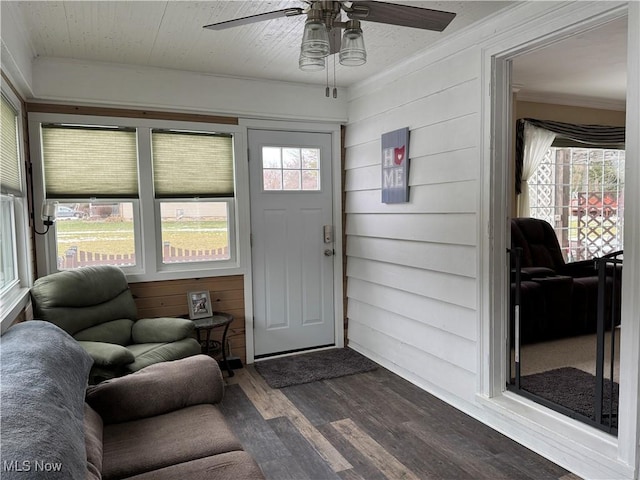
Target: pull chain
335,90
326,92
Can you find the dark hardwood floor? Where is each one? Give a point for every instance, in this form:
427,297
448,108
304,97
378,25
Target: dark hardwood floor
370,426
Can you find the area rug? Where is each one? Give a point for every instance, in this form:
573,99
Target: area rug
571,388
312,367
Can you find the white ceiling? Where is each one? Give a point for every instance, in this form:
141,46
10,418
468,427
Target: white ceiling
590,65
169,34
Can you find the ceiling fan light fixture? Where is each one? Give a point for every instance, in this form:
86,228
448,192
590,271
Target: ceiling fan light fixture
310,64
352,51
315,39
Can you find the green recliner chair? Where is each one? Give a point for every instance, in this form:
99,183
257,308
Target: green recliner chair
96,307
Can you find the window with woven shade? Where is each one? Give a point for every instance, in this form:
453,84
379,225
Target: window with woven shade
15,242
194,189
10,187
92,171
156,198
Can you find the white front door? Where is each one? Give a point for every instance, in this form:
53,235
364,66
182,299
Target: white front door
292,240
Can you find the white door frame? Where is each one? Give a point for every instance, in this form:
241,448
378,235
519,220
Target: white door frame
336,177
547,432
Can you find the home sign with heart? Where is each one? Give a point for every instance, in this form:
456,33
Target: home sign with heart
395,166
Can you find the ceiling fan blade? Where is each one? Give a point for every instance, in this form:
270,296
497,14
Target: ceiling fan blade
403,15
335,39
260,17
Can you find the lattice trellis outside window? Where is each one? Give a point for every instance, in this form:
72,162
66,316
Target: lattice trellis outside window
580,192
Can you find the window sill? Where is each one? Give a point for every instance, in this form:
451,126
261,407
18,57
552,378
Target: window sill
570,443
11,306
184,273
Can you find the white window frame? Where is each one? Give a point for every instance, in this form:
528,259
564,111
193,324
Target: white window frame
195,266
282,170
15,298
52,236
582,449
9,246
149,266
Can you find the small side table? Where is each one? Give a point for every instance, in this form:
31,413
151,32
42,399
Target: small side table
206,325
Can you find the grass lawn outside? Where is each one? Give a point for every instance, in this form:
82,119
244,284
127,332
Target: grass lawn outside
117,237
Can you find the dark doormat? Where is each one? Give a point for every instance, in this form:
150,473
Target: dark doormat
572,388
312,367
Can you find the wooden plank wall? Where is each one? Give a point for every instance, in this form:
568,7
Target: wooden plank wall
169,299
411,268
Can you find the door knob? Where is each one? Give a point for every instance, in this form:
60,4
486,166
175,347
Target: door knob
328,252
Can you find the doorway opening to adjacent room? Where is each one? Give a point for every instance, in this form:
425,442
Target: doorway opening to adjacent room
562,244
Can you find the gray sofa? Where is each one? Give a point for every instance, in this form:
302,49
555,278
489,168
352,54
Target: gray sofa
158,423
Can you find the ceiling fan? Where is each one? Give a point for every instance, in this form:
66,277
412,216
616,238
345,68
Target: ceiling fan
322,31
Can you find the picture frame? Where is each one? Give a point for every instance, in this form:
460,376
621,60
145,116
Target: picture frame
199,304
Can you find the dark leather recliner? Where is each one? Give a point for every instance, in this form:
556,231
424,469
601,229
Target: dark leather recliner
569,290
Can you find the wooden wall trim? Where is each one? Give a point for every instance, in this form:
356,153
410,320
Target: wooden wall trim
168,298
128,113
10,85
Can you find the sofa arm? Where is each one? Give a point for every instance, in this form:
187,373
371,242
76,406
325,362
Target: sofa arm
107,354
161,330
157,389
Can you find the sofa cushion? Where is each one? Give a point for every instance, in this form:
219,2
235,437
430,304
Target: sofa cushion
93,442
44,375
115,331
148,444
226,466
161,329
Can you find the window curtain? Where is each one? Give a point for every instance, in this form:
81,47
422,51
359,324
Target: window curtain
536,143
565,135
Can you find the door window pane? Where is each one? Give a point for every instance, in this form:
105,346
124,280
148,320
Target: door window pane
290,169
310,158
291,179
291,158
272,179
95,234
195,231
271,157
310,180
